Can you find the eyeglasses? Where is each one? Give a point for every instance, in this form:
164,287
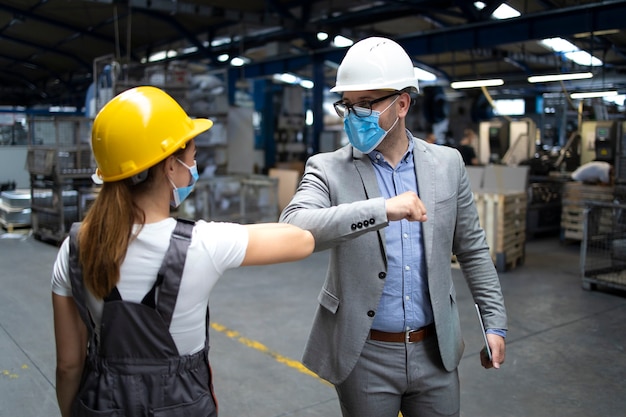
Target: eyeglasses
360,109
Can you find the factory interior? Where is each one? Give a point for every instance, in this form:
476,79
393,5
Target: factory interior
540,84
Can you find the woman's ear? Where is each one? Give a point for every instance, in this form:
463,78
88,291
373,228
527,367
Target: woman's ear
167,167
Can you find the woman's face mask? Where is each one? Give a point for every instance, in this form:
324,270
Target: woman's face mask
180,194
364,133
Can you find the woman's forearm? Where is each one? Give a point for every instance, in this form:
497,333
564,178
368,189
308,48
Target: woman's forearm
67,383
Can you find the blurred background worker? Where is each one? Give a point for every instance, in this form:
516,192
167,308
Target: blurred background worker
466,147
131,284
430,137
392,209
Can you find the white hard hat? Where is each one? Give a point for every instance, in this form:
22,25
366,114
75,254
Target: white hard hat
375,64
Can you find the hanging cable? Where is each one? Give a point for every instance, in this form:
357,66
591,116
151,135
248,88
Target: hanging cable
117,33
491,102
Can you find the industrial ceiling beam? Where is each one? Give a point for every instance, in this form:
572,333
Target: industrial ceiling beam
486,34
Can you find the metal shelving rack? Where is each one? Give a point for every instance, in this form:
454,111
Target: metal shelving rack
60,164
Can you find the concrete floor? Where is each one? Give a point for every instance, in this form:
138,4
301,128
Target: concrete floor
565,349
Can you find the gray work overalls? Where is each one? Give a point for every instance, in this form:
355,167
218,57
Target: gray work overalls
134,368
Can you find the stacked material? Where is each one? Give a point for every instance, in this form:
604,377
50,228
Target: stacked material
15,208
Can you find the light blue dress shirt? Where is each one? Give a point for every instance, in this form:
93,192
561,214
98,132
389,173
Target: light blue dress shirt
405,303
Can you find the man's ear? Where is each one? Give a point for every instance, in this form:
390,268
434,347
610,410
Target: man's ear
405,103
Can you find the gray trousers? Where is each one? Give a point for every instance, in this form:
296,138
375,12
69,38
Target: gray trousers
395,377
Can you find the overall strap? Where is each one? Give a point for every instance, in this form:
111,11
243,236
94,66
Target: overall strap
171,271
76,279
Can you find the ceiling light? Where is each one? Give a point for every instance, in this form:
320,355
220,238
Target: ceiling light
596,33
424,75
341,41
559,77
239,61
477,83
593,94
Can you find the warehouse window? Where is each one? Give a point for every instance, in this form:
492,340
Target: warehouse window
510,107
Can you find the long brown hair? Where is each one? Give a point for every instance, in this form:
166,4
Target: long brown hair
106,231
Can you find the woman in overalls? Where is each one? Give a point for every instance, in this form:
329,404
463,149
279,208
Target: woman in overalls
131,284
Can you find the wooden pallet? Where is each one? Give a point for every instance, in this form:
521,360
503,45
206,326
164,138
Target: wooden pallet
11,227
576,195
503,217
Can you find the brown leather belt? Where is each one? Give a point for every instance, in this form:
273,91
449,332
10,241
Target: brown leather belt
410,336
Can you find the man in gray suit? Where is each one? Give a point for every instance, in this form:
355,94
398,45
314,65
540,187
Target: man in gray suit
392,209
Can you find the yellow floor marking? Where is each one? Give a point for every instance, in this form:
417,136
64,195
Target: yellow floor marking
233,334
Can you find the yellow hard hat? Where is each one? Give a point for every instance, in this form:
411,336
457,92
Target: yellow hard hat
139,128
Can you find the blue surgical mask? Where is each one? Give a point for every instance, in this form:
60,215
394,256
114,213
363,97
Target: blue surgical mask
364,133
180,194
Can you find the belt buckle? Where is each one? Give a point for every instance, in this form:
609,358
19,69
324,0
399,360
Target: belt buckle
407,336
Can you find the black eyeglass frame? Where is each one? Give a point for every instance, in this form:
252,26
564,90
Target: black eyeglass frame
365,104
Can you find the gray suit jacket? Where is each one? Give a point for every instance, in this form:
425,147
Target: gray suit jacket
339,201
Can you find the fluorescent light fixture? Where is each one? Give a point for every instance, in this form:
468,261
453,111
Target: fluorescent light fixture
504,11
308,84
239,61
594,94
162,55
571,51
223,57
341,41
424,75
559,77
322,36
477,83
597,33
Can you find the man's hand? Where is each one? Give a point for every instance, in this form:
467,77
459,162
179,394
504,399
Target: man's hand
497,346
406,206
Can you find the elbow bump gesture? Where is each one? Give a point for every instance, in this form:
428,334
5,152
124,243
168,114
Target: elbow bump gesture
406,206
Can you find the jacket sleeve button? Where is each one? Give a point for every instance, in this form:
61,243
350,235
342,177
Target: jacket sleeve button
371,313
382,275
353,227
372,221
366,223
359,225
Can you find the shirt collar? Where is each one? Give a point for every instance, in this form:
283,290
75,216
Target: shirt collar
378,158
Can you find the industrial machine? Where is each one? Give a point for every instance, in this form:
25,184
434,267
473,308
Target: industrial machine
506,141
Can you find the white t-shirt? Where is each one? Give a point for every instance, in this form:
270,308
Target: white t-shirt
214,248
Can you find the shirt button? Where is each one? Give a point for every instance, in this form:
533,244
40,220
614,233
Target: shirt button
407,268
407,298
405,235
371,313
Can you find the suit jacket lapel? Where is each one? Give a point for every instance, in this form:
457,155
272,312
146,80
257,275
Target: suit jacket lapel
425,171
365,169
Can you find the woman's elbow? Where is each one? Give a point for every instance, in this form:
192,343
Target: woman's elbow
310,242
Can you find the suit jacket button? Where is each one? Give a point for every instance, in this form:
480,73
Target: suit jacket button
371,313
382,275
353,227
